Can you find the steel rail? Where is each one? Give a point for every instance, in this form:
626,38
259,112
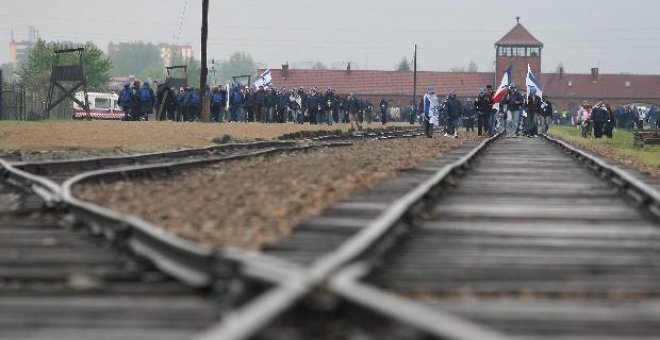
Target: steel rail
46,189
246,323
431,321
346,283
185,260
180,258
96,162
645,196
400,211
46,168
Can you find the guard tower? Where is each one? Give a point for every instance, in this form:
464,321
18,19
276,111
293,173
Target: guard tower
62,76
517,49
177,76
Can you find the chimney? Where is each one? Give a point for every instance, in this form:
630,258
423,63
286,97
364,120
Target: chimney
594,73
285,70
561,72
348,68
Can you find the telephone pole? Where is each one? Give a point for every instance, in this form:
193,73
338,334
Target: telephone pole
414,98
204,100
1,103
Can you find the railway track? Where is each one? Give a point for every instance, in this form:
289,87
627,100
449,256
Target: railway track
61,170
529,239
480,244
72,270
63,283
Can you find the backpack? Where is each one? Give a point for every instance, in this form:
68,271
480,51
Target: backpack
237,97
216,99
145,95
125,97
194,98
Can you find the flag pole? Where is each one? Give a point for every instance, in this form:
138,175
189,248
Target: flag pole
414,97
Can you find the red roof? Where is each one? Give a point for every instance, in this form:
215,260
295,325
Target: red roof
518,36
604,86
383,82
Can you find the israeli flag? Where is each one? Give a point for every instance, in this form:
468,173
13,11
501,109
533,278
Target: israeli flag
264,79
532,82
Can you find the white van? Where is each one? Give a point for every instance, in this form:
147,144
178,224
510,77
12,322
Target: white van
101,106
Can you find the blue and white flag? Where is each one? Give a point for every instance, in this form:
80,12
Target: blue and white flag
532,82
264,79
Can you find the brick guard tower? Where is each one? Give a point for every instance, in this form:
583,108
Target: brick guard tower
518,48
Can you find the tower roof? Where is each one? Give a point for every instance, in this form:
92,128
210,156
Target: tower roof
517,36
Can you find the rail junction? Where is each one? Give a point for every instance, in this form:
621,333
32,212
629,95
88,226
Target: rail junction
500,239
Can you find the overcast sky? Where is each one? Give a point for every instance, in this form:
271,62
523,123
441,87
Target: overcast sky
619,36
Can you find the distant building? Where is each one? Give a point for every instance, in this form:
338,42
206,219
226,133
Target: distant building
517,49
167,53
19,51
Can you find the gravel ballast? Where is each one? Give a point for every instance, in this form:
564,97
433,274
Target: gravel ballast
252,203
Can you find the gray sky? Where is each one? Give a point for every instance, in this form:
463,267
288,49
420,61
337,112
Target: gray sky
618,36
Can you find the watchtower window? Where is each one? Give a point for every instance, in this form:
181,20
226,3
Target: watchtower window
518,51
505,51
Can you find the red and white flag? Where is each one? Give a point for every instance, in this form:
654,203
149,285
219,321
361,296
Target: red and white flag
504,86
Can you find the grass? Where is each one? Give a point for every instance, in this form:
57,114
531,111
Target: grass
620,147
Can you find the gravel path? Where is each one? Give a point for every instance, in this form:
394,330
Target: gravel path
251,203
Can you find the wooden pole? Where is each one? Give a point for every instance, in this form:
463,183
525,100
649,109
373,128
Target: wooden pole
414,98
1,103
204,100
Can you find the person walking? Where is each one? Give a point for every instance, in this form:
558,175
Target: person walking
235,103
383,110
431,111
600,117
547,114
146,98
125,102
584,119
514,101
453,111
483,105
353,106
217,102
533,110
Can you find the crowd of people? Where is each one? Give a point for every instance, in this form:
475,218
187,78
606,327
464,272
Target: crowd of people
244,104
519,114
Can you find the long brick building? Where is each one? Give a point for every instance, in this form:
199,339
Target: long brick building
517,49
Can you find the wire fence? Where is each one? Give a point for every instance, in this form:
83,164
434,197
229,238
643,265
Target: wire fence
21,103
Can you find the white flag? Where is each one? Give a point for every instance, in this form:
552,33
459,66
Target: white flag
532,82
264,79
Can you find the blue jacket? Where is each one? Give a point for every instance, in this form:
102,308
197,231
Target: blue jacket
235,97
216,99
515,101
453,108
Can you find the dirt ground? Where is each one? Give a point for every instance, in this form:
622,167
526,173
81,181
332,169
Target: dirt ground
251,203
117,137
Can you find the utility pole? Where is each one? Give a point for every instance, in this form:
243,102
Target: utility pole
1,103
414,98
204,115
